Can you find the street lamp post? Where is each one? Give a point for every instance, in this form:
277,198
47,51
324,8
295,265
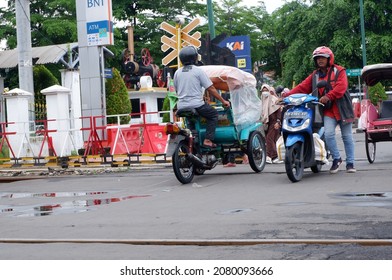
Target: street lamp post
211,19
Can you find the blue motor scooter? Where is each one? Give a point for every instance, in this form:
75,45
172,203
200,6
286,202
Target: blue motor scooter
298,128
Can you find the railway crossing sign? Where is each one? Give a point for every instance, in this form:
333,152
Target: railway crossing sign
168,58
180,38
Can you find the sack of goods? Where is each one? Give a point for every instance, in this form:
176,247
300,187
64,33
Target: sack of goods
280,148
320,153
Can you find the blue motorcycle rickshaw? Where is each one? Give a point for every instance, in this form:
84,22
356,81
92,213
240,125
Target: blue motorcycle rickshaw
239,130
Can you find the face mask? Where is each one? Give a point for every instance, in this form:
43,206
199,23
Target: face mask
265,93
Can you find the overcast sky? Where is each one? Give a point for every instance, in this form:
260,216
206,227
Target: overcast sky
271,5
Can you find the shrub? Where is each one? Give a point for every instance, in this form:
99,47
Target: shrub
117,100
43,78
377,93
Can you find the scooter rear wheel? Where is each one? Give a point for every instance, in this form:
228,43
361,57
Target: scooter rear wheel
182,167
294,162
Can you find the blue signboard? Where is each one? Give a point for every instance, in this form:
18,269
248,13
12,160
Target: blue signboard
98,32
108,73
99,22
240,47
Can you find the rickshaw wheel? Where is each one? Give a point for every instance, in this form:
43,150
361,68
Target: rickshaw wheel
293,162
182,167
256,151
370,148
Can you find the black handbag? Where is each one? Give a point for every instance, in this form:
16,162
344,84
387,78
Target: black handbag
345,107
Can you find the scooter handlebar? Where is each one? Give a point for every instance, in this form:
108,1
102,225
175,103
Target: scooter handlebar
318,103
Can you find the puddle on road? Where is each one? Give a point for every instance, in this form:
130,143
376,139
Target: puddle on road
374,194
235,211
75,206
371,199
48,194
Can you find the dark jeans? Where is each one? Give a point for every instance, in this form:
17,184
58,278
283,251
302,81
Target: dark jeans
211,115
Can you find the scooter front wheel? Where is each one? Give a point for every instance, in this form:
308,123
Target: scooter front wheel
294,162
182,167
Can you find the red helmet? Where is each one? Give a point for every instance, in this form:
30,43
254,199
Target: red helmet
324,52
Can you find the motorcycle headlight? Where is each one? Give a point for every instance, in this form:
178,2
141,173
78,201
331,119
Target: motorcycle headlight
296,101
285,126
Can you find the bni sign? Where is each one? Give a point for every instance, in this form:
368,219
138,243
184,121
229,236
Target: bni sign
99,22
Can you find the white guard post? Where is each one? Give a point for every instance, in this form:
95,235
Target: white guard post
18,121
70,79
57,103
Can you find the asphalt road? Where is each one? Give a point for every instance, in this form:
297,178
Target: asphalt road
225,214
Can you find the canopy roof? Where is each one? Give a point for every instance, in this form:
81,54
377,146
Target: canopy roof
374,73
67,54
41,55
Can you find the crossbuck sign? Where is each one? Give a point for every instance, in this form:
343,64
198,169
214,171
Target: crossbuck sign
179,38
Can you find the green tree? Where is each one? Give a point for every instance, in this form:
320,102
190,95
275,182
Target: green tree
52,22
304,27
166,107
43,78
282,41
235,19
146,17
117,100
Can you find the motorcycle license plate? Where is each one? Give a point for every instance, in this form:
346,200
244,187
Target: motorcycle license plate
296,114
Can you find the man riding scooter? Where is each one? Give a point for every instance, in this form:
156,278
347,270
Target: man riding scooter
338,108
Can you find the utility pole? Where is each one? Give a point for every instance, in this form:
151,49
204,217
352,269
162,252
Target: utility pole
362,33
211,24
25,56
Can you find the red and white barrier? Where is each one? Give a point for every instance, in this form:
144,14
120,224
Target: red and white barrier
45,140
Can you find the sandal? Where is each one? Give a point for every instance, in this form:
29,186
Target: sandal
212,145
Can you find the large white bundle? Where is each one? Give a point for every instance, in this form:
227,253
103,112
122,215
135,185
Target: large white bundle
242,87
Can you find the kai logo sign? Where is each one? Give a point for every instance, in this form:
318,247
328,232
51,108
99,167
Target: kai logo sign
236,46
240,47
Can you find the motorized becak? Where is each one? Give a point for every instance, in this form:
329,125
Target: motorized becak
238,132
